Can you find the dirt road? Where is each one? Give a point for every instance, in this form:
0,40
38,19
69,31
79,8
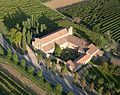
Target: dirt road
54,4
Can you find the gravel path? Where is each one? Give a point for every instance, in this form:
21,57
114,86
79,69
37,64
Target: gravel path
54,4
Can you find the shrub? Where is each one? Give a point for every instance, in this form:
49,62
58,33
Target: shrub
30,69
15,57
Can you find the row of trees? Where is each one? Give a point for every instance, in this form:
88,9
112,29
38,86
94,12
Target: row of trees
21,35
96,77
30,70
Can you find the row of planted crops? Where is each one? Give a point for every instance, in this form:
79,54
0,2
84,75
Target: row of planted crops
104,13
10,87
29,7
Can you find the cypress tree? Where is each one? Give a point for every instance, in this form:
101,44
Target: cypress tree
42,27
29,37
57,50
24,39
37,30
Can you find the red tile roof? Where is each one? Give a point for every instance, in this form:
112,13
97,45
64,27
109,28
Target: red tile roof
70,63
83,59
92,49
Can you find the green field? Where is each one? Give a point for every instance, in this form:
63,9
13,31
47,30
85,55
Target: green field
16,11
99,15
9,86
30,7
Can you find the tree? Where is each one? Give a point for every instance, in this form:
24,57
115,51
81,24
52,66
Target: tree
100,89
101,81
18,26
39,56
23,62
32,21
9,53
1,50
53,66
48,62
76,20
47,85
58,88
30,69
17,38
28,23
70,93
24,39
42,27
39,73
57,50
15,57
105,67
12,32
76,76
64,70
92,86
108,93
96,28
29,37
110,85
37,30
117,72
83,83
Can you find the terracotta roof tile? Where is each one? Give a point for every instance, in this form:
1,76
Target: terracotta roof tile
70,63
52,45
92,49
83,59
53,36
77,41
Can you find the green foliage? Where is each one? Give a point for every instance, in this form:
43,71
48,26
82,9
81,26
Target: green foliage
70,93
58,89
98,15
18,37
104,78
23,63
33,7
39,73
9,53
101,81
42,27
29,37
39,56
15,58
76,76
24,39
48,63
2,51
53,66
100,89
64,70
10,86
30,69
57,50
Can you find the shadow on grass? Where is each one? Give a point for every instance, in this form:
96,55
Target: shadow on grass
10,20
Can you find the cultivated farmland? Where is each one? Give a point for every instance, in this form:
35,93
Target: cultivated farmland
99,16
9,86
27,8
